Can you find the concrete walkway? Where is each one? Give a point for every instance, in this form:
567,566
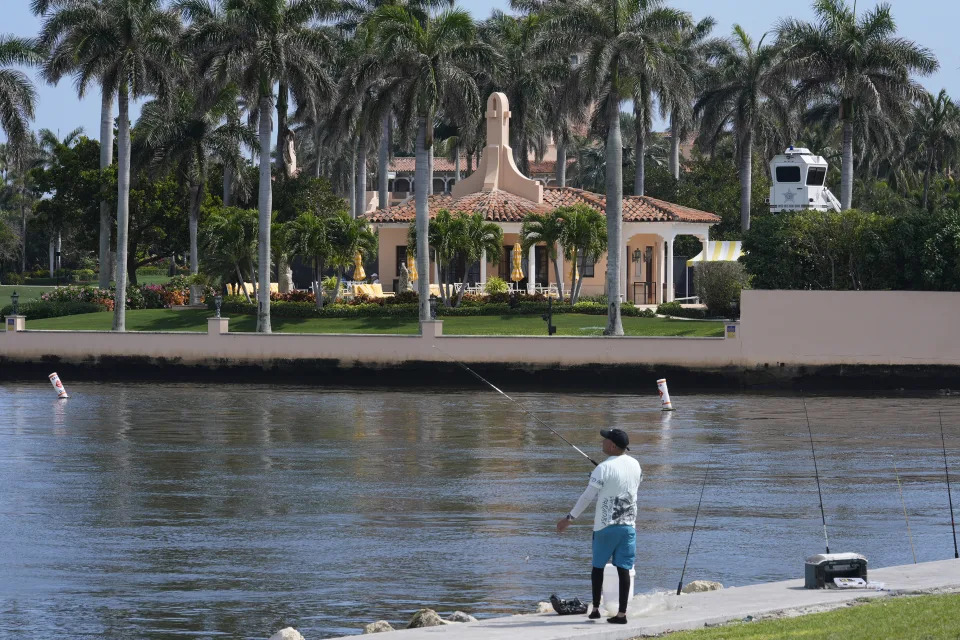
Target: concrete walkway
666,613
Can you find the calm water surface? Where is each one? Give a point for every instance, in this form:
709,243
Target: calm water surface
192,511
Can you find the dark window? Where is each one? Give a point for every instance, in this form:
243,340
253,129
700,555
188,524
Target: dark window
816,176
788,174
401,257
588,269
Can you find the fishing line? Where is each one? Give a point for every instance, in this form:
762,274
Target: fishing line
946,470
692,531
522,408
902,502
817,473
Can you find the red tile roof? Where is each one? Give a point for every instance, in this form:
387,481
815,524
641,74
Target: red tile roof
500,206
635,208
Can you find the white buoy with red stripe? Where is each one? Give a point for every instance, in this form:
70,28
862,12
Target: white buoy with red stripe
664,395
58,386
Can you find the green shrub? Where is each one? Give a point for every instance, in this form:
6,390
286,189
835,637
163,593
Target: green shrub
496,285
719,285
404,297
676,310
135,298
13,279
152,271
38,309
84,275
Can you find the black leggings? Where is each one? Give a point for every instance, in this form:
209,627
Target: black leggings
596,581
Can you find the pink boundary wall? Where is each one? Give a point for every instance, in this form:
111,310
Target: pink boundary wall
778,327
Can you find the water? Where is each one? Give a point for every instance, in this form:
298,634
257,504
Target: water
192,511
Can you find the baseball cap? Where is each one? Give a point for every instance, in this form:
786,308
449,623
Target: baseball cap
616,436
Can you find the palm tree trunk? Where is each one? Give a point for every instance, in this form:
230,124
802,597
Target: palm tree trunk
926,179
194,224
123,209
283,98
236,265
318,289
640,178
106,159
266,209
361,178
316,149
50,252
614,217
846,167
456,162
561,169
383,164
746,180
421,176
430,181
352,187
558,274
227,185
674,146
23,231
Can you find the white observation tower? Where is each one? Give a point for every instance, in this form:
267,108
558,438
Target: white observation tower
798,182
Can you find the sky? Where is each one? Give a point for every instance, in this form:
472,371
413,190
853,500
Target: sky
931,23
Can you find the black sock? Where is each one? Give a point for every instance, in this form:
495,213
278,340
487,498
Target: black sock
596,581
624,576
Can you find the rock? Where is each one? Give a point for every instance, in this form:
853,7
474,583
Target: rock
377,627
698,586
460,616
425,618
544,607
287,634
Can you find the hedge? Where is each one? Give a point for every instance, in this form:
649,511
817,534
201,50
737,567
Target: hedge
676,310
375,310
38,309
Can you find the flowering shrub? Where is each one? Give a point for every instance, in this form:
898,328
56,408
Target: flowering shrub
152,296
175,297
293,296
100,297
135,299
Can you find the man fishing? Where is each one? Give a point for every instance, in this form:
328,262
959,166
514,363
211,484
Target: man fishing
614,484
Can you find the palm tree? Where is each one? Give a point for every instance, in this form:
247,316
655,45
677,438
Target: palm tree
49,146
185,134
62,18
230,237
936,129
308,238
17,94
261,43
348,236
129,46
622,38
689,51
745,78
863,59
583,237
435,56
548,229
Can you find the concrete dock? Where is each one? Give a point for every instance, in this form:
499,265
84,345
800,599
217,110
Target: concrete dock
666,613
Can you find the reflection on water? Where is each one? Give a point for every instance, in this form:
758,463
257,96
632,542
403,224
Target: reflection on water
170,511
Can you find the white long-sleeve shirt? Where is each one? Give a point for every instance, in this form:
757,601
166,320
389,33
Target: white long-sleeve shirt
614,483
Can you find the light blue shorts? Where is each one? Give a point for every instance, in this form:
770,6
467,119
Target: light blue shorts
618,541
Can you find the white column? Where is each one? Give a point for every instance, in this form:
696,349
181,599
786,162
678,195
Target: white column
436,270
661,270
531,268
483,268
624,272
670,285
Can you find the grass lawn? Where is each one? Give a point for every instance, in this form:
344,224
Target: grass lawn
935,617
567,324
26,293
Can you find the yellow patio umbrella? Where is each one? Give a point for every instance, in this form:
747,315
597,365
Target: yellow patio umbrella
358,272
517,274
412,268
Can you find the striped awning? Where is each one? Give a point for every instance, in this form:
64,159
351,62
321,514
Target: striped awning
722,251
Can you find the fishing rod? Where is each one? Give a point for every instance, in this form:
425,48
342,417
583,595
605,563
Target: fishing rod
522,408
905,517
692,531
946,470
817,473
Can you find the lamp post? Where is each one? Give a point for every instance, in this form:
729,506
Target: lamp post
15,300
